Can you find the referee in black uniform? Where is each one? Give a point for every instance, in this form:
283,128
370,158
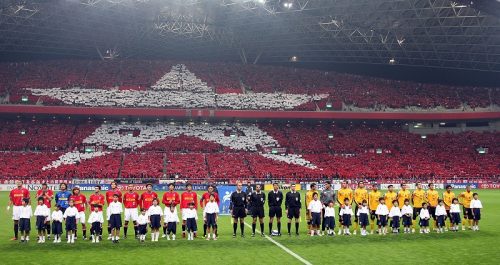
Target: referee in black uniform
257,200
238,209
292,205
275,200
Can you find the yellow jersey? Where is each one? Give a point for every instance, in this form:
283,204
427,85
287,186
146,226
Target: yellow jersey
448,199
432,197
309,196
402,196
466,198
389,197
373,198
342,194
418,198
360,195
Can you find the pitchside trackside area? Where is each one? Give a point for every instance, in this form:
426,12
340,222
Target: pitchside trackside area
464,247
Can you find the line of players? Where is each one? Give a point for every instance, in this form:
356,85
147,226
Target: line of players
370,207
394,208
71,207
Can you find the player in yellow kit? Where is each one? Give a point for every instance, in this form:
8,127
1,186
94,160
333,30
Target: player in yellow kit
373,201
403,195
448,197
417,198
432,197
360,195
344,193
465,199
309,198
390,196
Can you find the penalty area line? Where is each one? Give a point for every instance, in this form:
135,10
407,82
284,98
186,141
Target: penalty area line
287,250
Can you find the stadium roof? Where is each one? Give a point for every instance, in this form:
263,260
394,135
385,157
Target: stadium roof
429,33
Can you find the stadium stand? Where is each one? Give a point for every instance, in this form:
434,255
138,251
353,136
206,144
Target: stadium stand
55,150
140,83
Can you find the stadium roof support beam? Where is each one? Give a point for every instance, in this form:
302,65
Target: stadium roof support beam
243,56
433,33
257,58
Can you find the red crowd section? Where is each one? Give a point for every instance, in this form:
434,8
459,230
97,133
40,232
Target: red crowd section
348,151
346,90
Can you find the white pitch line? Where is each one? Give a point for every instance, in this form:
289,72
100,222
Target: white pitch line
287,250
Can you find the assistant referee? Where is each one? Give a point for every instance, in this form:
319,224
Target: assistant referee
238,209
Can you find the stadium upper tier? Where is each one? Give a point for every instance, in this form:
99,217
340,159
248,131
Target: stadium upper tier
168,84
62,150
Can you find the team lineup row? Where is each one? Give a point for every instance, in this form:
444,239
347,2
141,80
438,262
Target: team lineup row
369,208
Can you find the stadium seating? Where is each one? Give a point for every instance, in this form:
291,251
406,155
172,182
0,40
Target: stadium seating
192,165
182,143
181,79
105,165
142,165
168,84
25,165
54,149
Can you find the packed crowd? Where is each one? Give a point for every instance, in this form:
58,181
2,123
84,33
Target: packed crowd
57,150
140,83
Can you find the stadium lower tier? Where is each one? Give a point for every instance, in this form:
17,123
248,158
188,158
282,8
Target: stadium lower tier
298,151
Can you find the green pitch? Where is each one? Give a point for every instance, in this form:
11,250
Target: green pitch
464,247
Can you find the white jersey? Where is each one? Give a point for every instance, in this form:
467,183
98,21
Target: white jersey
191,213
476,204
70,212
171,217
330,212
142,219
57,216
455,208
395,211
363,209
154,210
114,208
382,210
95,217
211,207
315,206
25,212
424,214
440,210
407,210
42,210
346,210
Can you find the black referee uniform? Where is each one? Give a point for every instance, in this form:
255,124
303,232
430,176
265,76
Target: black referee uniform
257,201
238,207
274,201
292,204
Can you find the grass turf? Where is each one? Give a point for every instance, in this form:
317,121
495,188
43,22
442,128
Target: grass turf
458,248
